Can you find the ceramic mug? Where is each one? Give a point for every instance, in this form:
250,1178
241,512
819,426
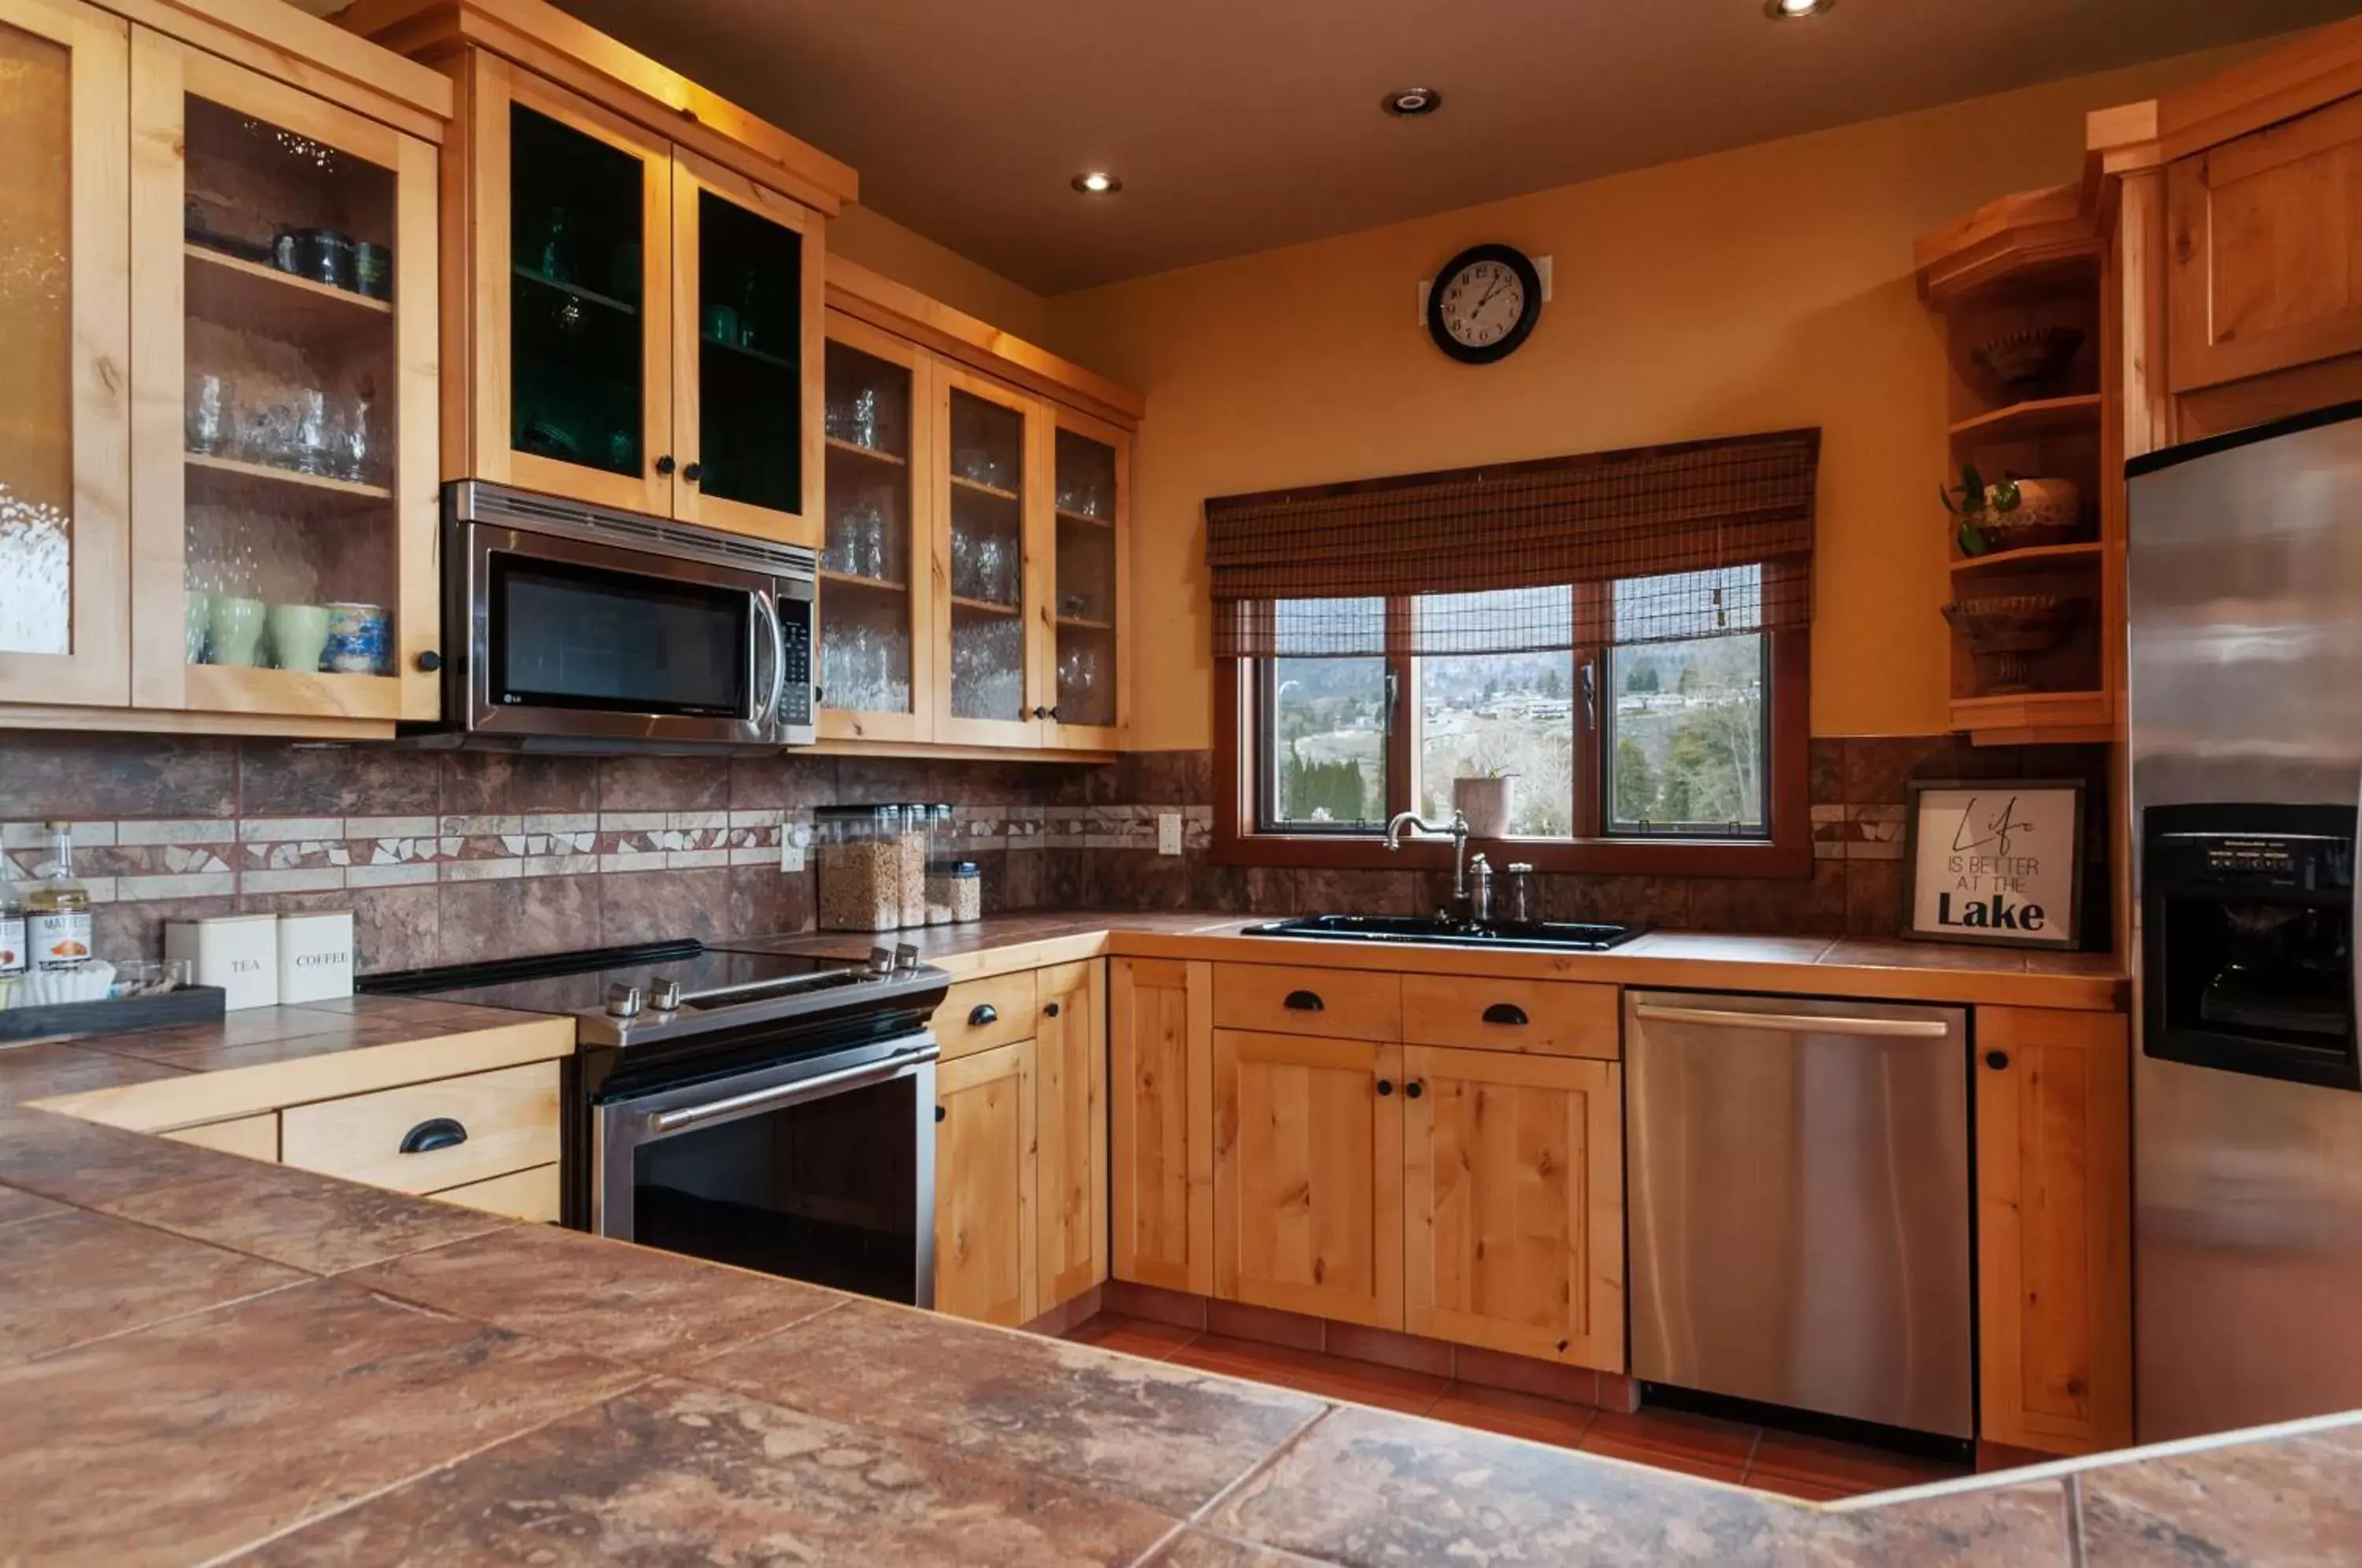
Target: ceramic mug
299,635
238,630
358,639
201,624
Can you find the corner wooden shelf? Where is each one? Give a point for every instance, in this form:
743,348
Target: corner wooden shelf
2028,718
2032,419
2032,556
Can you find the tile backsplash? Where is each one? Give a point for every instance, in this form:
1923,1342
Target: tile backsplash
453,857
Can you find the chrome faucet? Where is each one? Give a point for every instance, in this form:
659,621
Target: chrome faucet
1458,829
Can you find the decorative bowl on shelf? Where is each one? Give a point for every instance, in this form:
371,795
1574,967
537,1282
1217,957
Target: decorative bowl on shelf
2007,632
2028,362
2049,511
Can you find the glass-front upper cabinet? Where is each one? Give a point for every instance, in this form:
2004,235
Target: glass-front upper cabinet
1090,637
306,324
662,320
989,692
65,319
877,582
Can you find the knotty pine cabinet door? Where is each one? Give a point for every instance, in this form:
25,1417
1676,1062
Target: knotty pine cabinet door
1308,1176
984,1186
1070,1133
1513,1197
1161,1121
2258,235
2054,1227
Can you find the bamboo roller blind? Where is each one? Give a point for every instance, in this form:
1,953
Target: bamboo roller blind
1648,545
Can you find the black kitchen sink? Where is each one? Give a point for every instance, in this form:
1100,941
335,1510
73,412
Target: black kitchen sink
1432,931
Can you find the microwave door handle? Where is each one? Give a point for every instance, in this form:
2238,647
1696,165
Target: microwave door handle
769,613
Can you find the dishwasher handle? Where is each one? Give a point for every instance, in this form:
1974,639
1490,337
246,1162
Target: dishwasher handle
1794,1022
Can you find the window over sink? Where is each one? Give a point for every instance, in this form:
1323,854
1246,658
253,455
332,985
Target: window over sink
1652,721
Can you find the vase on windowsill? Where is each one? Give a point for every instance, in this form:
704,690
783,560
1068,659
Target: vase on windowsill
1485,803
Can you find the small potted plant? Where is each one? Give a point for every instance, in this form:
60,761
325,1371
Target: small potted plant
2010,514
1485,799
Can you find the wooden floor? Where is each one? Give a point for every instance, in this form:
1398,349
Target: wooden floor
1773,1461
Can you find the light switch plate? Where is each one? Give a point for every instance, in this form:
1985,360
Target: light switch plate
1168,833
791,847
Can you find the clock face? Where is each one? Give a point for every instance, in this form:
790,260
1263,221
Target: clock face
1484,303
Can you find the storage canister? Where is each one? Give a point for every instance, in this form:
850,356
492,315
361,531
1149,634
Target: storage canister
857,857
954,893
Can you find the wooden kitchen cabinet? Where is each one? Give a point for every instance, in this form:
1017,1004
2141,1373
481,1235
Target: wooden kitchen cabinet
985,1232
1161,1120
1513,1197
881,572
269,450
2054,1275
1309,1175
2261,232
1070,1066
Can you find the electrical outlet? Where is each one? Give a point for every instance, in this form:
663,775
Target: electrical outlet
792,840
1168,833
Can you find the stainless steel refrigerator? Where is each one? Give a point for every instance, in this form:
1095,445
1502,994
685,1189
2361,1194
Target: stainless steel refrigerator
2244,581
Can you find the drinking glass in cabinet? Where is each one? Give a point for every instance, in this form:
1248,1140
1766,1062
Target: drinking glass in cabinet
212,412
987,665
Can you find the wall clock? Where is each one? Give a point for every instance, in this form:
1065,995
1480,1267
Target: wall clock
1483,304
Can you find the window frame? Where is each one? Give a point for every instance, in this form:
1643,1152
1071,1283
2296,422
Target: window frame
1241,738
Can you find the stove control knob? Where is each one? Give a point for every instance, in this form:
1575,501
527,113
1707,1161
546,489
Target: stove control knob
664,994
622,1001
881,961
906,956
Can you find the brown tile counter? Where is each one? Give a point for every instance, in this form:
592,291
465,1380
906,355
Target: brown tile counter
1805,966
202,1358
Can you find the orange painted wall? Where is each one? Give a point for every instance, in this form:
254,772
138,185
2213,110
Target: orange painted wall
1754,290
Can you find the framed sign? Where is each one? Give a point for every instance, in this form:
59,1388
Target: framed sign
2000,863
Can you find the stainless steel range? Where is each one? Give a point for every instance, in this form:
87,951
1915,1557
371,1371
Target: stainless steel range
772,1111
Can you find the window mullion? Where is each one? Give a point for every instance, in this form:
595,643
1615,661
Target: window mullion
1402,710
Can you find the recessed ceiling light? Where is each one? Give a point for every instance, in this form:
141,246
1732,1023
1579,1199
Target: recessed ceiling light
1794,10
1097,182
1405,103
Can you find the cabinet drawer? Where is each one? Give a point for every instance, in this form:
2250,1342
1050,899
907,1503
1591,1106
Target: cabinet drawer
978,1015
1544,1017
509,1119
1346,1004
530,1195
256,1137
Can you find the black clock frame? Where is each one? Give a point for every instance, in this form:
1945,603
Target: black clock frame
1485,354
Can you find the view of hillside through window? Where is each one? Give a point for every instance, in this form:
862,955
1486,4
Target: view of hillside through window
1684,735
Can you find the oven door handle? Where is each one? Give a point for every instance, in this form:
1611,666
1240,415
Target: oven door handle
780,1096
770,617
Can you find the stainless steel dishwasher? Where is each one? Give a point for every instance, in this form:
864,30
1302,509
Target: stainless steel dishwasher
1800,1203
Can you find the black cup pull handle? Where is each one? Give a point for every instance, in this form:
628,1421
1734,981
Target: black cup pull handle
1304,1002
1997,1060
1414,1089
1506,1012
1049,1010
1385,1086
435,1133
983,1016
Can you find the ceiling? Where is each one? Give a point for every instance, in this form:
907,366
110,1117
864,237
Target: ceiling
1240,125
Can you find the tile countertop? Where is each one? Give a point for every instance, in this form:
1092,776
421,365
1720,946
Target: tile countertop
1806,966
206,1358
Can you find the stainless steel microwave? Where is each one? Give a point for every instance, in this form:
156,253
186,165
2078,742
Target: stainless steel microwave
577,628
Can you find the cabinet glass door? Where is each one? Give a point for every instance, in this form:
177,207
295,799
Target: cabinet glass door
988,697
64,317
291,255
1090,586
876,572
588,326
738,402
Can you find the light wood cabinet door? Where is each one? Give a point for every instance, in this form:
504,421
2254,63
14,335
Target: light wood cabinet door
1308,1176
991,450
1071,1131
2262,233
984,1186
1513,1198
882,568
2054,1275
65,402
1083,635
1161,1121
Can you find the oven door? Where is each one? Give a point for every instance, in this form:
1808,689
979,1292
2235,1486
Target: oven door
820,1169
569,637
